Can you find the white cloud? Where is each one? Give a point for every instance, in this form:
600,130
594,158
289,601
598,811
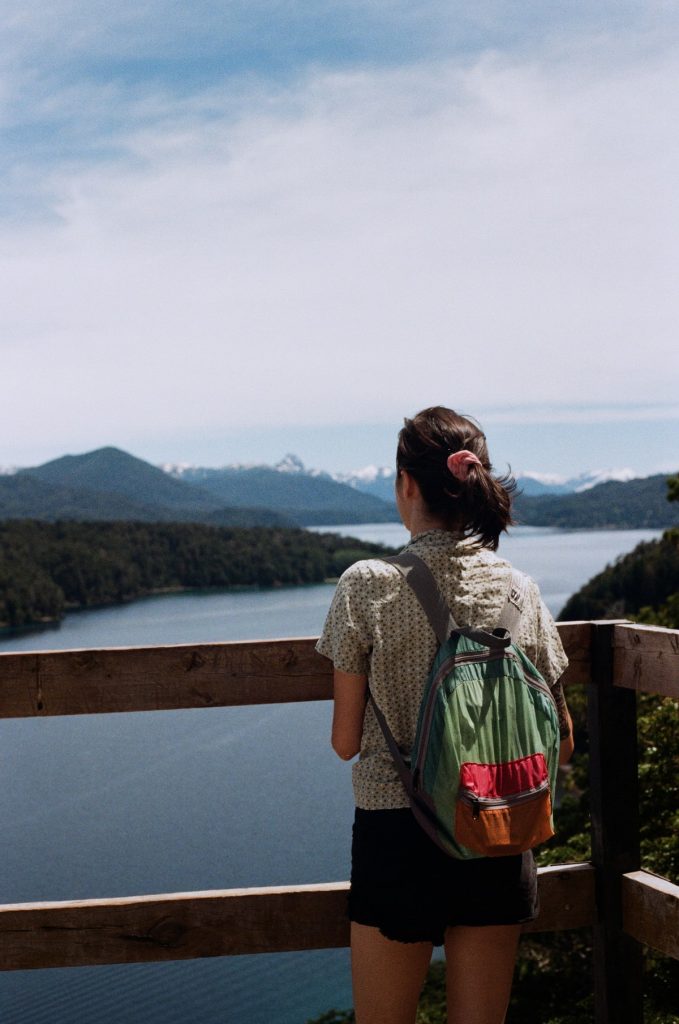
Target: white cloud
481,233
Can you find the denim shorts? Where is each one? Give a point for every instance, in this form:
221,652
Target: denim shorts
403,884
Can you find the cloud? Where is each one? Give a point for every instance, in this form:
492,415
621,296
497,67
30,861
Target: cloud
353,244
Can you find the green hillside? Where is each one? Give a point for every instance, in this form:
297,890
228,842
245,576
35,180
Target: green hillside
48,568
23,495
108,484
117,472
634,504
645,579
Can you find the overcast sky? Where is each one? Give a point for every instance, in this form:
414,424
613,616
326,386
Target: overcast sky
233,229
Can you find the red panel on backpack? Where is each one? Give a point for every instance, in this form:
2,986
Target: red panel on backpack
497,780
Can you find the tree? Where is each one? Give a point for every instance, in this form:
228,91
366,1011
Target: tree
673,488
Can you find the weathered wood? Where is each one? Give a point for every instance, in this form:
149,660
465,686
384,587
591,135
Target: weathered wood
651,911
577,640
646,658
175,926
188,676
180,926
614,804
566,898
161,678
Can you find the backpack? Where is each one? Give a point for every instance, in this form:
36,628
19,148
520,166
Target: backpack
481,775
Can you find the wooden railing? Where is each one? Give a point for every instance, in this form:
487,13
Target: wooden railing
624,905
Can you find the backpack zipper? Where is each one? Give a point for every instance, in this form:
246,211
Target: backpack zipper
484,803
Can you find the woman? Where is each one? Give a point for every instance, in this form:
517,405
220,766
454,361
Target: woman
406,894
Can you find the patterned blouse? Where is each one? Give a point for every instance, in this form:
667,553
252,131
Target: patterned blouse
376,627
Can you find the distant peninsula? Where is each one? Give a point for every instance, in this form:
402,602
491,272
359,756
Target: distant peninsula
615,505
47,569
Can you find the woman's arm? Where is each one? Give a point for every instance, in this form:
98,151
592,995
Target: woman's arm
565,724
567,743
350,696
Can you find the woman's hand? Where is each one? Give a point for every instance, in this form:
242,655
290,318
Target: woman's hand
350,696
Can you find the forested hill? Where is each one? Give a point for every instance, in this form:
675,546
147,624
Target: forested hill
643,584
49,568
111,485
629,505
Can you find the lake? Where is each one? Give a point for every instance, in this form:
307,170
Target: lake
113,805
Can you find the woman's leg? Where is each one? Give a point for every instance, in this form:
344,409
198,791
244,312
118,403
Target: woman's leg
479,969
387,976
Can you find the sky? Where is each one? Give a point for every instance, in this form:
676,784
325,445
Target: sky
234,229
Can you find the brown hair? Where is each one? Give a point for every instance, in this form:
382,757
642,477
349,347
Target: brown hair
479,506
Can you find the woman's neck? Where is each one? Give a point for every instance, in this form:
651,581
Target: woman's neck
421,522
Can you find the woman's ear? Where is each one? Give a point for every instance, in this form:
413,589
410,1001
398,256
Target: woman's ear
409,485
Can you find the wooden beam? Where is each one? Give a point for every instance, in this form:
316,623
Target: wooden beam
161,678
117,679
646,658
651,911
577,640
173,926
566,898
180,926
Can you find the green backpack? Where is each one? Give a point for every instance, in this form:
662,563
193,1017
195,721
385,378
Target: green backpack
482,772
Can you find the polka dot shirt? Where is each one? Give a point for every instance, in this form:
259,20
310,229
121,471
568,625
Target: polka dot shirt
376,627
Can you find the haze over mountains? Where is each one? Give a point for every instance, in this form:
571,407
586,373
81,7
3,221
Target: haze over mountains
379,480
109,484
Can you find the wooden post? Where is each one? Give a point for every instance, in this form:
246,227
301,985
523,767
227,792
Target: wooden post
615,834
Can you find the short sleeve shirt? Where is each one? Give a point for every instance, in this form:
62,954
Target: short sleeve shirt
377,628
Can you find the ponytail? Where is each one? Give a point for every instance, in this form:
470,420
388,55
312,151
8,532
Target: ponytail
484,503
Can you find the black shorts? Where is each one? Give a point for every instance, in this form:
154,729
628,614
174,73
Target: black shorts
403,884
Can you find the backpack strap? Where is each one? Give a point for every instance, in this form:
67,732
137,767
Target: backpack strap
510,616
420,579
402,766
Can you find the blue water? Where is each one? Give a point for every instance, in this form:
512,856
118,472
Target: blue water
113,805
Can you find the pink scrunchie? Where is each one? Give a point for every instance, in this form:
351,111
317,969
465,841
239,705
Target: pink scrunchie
459,462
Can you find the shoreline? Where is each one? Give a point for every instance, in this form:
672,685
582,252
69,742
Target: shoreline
45,623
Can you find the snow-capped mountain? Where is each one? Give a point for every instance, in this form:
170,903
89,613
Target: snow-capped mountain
601,476
375,480
290,463
293,464
379,480
535,484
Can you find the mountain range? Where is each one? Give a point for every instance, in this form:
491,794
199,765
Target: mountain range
379,480
110,484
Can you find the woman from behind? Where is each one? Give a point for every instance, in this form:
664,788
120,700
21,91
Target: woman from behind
407,895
